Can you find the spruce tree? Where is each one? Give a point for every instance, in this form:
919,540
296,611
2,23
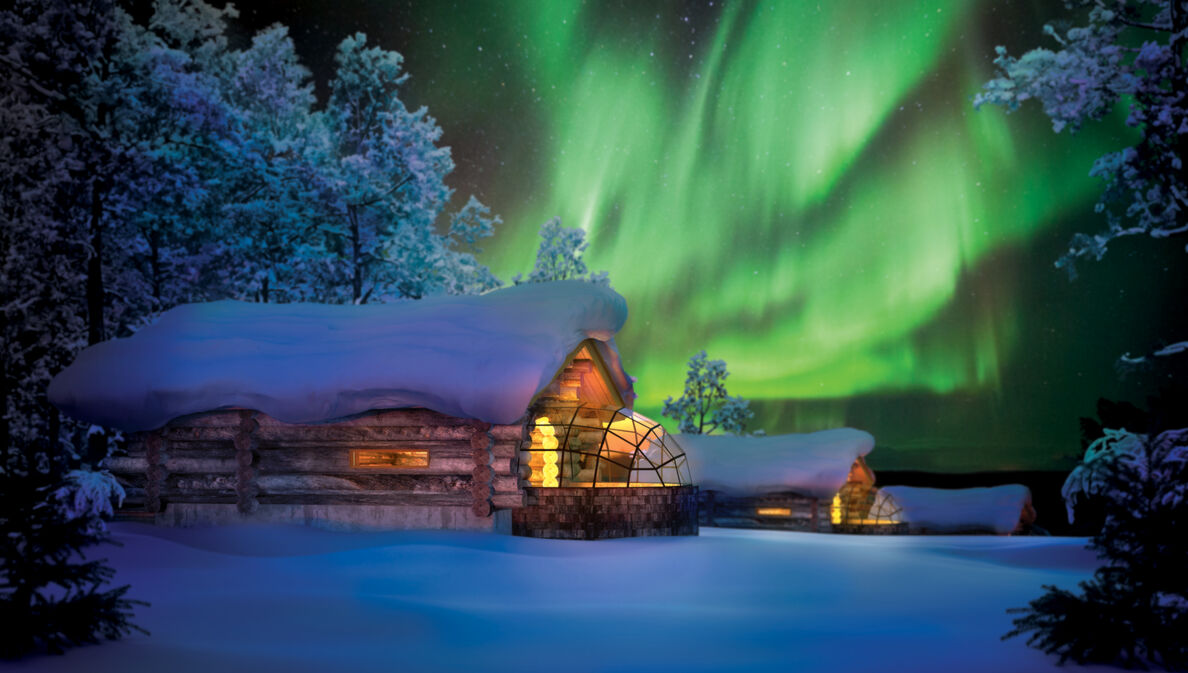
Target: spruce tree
1130,52
559,256
51,596
705,406
1134,610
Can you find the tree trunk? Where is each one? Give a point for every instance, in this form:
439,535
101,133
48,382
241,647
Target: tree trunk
155,265
5,428
94,289
356,256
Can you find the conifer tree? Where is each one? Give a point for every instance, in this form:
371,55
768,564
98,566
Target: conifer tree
1134,610
705,406
1133,52
51,597
559,256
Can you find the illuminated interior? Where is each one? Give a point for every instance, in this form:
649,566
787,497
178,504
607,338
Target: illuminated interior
858,504
401,458
579,445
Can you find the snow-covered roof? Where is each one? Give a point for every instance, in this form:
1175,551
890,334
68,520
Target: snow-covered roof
942,510
479,356
814,464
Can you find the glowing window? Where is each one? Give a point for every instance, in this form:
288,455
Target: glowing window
774,511
858,504
404,458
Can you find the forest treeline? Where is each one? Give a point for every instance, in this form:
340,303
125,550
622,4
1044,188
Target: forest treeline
147,159
149,162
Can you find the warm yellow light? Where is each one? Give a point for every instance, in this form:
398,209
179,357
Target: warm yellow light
774,511
839,511
390,458
544,463
550,471
616,484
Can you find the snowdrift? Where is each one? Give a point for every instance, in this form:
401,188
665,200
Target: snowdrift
245,599
938,510
481,357
814,464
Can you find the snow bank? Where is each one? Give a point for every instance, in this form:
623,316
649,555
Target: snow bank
941,510
814,464
480,356
295,599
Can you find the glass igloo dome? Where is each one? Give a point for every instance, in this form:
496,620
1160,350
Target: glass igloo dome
577,445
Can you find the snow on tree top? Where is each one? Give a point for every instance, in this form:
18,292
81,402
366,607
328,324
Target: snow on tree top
814,464
478,356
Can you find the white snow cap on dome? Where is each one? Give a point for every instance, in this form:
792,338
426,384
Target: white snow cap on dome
478,356
814,464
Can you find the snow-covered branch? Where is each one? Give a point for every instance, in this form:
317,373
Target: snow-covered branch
1097,67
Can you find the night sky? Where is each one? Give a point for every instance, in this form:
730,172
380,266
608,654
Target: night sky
804,190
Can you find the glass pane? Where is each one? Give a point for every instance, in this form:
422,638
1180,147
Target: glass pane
584,446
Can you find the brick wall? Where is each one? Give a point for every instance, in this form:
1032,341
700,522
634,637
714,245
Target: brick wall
600,513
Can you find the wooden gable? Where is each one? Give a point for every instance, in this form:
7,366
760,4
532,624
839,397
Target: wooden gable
583,377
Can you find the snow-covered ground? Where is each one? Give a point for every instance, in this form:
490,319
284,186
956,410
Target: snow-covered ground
297,599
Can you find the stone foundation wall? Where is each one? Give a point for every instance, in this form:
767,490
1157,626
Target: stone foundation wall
600,513
871,529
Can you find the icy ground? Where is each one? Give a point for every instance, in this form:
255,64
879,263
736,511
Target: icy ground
297,599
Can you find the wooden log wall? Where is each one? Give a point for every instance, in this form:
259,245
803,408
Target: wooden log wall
803,513
246,457
155,474
250,460
482,474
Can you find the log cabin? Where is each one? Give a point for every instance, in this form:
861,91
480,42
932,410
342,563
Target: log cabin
816,482
508,412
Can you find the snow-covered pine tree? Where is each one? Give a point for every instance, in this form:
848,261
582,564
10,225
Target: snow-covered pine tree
1134,611
384,189
559,256
60,63
188,130
51,597
81,62
705,406
41,276
272,192
461,271
1130,51
82,129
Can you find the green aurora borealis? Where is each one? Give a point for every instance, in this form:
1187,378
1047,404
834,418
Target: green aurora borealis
802,189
